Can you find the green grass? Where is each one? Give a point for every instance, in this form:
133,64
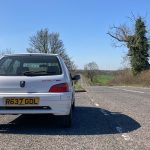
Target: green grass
78,87
103,79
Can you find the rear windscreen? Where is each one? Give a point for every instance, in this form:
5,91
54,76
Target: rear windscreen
30,65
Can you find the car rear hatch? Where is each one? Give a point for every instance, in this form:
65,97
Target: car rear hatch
27,84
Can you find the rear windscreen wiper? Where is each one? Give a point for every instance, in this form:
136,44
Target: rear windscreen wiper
34,73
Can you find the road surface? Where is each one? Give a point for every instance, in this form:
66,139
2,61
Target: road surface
105,118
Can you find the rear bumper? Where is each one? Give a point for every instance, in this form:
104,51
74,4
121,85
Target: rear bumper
58,103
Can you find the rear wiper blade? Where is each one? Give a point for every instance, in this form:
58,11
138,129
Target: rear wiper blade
34,72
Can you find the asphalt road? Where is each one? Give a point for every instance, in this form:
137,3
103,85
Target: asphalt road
105,118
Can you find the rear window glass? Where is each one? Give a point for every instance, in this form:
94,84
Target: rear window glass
30,65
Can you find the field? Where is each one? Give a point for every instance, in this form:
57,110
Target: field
116,78
103,79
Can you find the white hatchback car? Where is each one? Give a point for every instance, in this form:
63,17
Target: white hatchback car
36,84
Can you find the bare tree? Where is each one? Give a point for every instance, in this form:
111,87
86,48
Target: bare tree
136,42
56,45
91,70
120,33
45,42
39,42
6,51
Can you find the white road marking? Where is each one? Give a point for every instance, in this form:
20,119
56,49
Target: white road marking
124,135
136,87
113,113
133,91
96,104
106,114
119,129
90,97
92,100
114,88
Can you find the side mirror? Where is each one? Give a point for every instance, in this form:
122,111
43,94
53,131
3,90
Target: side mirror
76,77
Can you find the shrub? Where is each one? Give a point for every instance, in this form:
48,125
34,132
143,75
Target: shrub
125,77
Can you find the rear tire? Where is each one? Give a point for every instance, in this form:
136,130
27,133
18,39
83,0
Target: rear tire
73,105
67,120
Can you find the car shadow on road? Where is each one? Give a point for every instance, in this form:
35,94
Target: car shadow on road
86,121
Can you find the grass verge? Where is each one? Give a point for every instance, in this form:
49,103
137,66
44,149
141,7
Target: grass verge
78,87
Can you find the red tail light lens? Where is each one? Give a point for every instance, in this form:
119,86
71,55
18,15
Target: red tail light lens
59,88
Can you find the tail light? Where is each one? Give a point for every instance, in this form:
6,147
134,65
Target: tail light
59,88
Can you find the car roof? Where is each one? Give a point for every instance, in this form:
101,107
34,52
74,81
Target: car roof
31,54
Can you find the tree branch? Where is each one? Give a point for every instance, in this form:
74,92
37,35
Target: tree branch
116,37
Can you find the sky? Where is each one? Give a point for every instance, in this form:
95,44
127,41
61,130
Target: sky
82,25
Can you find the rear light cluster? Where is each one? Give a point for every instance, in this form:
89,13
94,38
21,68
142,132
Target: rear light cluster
59,88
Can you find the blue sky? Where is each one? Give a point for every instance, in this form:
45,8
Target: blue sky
82,25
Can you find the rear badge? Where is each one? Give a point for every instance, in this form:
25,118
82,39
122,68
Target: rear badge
22,84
